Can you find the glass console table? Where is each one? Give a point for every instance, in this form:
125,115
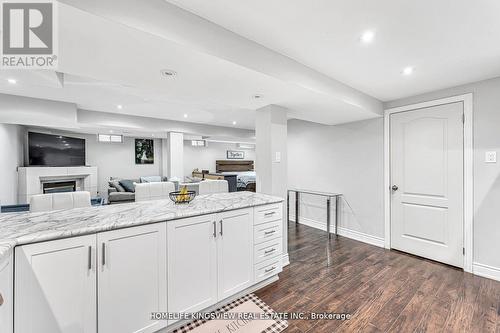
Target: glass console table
329,196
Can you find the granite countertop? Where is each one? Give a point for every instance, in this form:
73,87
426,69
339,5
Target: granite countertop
24,228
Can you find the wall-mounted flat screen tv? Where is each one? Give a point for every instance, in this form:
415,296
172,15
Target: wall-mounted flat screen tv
55,150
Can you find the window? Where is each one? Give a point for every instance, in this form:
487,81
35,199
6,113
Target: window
198,143
110,138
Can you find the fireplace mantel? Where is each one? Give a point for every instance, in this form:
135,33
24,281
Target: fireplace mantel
31,179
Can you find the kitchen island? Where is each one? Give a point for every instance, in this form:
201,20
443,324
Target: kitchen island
107,268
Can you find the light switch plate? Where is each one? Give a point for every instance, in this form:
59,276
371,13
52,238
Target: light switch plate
490,157
277,158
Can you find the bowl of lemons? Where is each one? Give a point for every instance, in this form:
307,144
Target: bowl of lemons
182,196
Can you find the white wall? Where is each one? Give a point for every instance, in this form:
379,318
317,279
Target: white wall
204,158
344,158
486,96
11,156
118,160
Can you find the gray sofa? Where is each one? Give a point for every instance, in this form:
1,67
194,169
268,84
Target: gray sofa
118,194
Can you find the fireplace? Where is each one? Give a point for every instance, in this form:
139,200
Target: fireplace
61,186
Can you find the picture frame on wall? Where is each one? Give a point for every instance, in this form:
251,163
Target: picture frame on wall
235,155
144,151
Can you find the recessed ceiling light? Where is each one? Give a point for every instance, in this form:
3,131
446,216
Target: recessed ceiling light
119,106
234,122
168,73
367,36
12,81
185,115
257,96
408,70
110,131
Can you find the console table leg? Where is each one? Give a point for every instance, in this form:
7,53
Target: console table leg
328,207
297,207
338,213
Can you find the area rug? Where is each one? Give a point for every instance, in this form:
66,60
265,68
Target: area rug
247,314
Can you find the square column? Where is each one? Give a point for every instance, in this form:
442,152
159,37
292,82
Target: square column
173,152
271,156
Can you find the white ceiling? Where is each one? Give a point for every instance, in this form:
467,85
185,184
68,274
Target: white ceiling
113,56
305,56
449,42
91,94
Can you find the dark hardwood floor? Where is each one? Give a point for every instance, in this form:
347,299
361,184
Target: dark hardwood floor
384,291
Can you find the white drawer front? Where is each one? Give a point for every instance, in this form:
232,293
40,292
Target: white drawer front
268,231
267,269
267,250
268,213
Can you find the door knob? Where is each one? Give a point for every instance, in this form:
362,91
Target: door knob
394,187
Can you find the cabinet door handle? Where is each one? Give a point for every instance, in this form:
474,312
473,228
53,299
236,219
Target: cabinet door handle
269,232
270,251
215,229
1,299
221,230
89,258
269,269
103,254
269,214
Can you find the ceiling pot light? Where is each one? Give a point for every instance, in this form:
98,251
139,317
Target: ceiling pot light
185,115
12,81
234,122
408,70
119,106
168,73
367,36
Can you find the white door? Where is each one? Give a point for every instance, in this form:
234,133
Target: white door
132,280
235,251
427,179
192,263
55,286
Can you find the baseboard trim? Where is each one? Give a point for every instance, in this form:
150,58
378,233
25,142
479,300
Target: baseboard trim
486,271
349,233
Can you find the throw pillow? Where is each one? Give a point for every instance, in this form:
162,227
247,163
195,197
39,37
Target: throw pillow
128,185
116,184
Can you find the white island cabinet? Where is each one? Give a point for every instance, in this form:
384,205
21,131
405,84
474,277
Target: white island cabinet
209,259
112,281
131,279
55,286
6,295
56,283
235,252
192,263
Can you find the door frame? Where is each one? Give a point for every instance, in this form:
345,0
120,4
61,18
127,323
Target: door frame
467,100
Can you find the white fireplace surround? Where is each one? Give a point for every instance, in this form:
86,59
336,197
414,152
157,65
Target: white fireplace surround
31,179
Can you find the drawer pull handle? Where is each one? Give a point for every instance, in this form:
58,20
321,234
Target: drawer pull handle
269,232
89,258
269,214
215,229
270,269
103,254
270,251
